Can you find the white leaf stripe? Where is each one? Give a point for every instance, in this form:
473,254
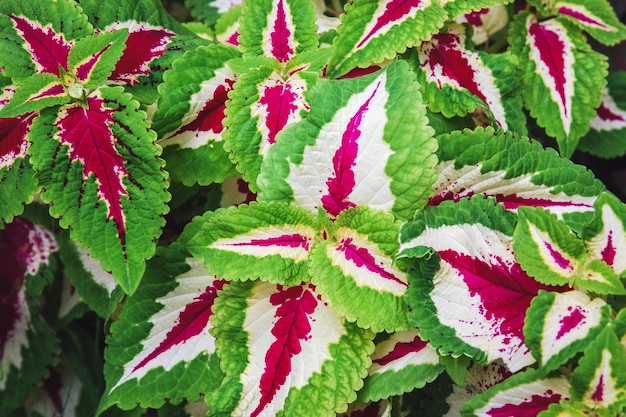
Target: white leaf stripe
609,245
366,263
555,258
603,390
287,241
609,116
583,15
386,359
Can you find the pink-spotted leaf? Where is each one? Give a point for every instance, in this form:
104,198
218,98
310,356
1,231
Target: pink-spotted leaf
470,296
525,394
100,170
281,348
559,325
163,335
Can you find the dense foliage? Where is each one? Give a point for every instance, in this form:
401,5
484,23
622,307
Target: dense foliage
308,208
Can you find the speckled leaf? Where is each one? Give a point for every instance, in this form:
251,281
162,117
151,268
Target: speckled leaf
455,80
546,248
284,348
162,335
595,17
514,170
401,363
374,30
16,174
278,29
190,115
275,238
526,393
559,325
559,68
607,137
263,103
474,301
100,169
354,270
366,141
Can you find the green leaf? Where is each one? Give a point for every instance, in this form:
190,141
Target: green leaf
372,31
546,248
559,325
457,8
275,238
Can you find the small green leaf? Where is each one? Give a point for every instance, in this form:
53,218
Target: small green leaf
35,93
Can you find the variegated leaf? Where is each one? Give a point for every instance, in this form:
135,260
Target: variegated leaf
278,29
559,67
39,36
607,137
559,325
485,22
599,380
273,238
605,237
190,115
595,17
372,409
263,103
227,26
162,335
455,80
36,93
401,363
526,393
91,61
354,270
99,167
372,31
59,394
546,248
457,8
16,174
470,296
516,171
95,286
366,141
27,344
282,349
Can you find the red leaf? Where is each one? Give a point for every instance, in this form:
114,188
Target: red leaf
87,131
13,143
49,50
295,305
144,44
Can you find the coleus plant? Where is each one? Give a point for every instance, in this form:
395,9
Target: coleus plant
286,207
